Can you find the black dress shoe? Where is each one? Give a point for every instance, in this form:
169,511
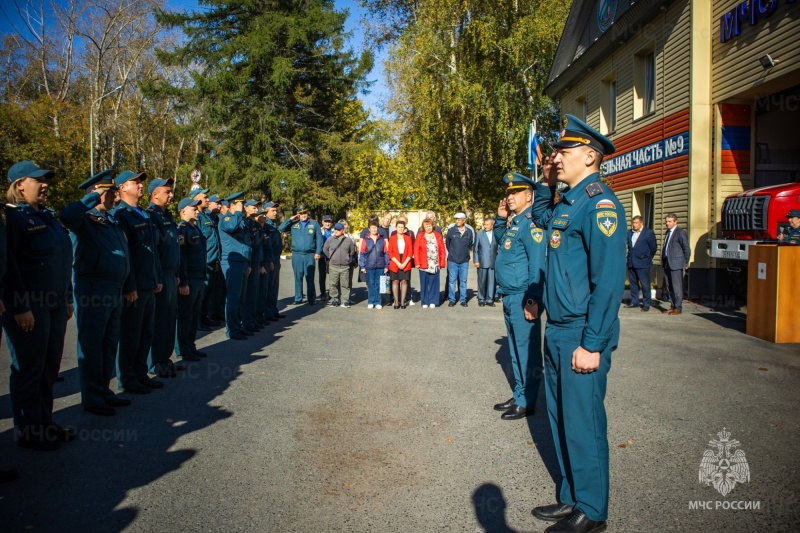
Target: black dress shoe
463,304
451,304
101,410
553,512
235,337
490,304
136,389
115,401
577,523
60,433
516,413
645,309
273,319
189,357
631,306
60,379
311,303
505,406
203,327
280,315
247,332
8,475
150,382
198,353
481,304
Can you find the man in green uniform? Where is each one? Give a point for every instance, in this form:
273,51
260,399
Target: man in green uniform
137,329
306,251
101,268
519,270
161,196
192,275
793,236
584,280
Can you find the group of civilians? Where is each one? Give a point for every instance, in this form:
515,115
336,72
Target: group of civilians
384,250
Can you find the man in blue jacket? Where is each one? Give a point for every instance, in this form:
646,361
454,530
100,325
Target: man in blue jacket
236,252
641,250
458,241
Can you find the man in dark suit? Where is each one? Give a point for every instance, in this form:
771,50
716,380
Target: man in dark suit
641,250
483,256
675,254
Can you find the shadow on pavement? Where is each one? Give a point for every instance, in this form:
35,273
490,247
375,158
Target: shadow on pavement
729,319
80,486
490,509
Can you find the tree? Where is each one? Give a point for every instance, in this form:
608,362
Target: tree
278,93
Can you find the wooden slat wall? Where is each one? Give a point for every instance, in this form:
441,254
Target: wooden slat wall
735,67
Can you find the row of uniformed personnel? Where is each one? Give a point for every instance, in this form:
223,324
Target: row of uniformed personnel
131,265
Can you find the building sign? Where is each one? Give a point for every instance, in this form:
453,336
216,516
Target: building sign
606,11
752,11
647,155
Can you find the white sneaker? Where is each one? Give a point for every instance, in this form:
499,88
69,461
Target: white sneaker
370,306
410,301
424,306
378,306
431,306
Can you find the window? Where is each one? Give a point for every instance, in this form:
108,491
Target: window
645,206
644,86
608,105
580,104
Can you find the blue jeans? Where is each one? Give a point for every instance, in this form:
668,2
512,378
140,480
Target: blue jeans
374,285
457,271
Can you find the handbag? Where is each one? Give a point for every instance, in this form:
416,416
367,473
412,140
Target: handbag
385,284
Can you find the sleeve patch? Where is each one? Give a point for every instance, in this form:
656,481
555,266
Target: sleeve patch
607,222
605,204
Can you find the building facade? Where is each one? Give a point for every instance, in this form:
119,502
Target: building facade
699,97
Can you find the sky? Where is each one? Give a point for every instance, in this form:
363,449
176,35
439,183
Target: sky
378,93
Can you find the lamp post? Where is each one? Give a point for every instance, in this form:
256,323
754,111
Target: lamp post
91,125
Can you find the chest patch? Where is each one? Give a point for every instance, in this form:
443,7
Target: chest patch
607,222
555,239
507,244
311,231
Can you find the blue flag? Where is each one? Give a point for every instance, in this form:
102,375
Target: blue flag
534,152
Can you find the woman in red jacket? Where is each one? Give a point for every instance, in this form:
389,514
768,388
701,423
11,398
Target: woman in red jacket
401,251
430,256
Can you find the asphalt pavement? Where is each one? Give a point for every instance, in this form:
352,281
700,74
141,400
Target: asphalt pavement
381,421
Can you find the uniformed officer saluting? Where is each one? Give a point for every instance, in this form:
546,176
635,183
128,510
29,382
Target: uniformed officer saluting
139,311
250,315
306,251
207,221
169,256
192,275
38,296
276,246
236,250
101,268
584,280
519,269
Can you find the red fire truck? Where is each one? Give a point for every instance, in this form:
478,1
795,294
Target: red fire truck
754,216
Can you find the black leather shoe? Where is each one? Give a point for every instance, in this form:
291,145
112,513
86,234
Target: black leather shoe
203,327
189,357
152,383
463,304
61,434
505,406
209,322
645,309
576,523
136,389
101,410
553,512
236,337
247,332
481,304
451,304
198,353
516,413
114,401
273,319
312,303
631,306
490,304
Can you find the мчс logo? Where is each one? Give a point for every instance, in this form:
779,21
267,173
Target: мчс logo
724,468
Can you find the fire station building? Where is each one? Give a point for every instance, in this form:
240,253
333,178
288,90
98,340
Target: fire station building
701,99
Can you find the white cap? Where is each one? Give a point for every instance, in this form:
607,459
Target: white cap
460,215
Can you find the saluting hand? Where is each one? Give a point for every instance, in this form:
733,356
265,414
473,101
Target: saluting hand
584,361
502,209
25,321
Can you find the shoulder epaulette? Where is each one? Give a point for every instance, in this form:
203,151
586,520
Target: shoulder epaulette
593,189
